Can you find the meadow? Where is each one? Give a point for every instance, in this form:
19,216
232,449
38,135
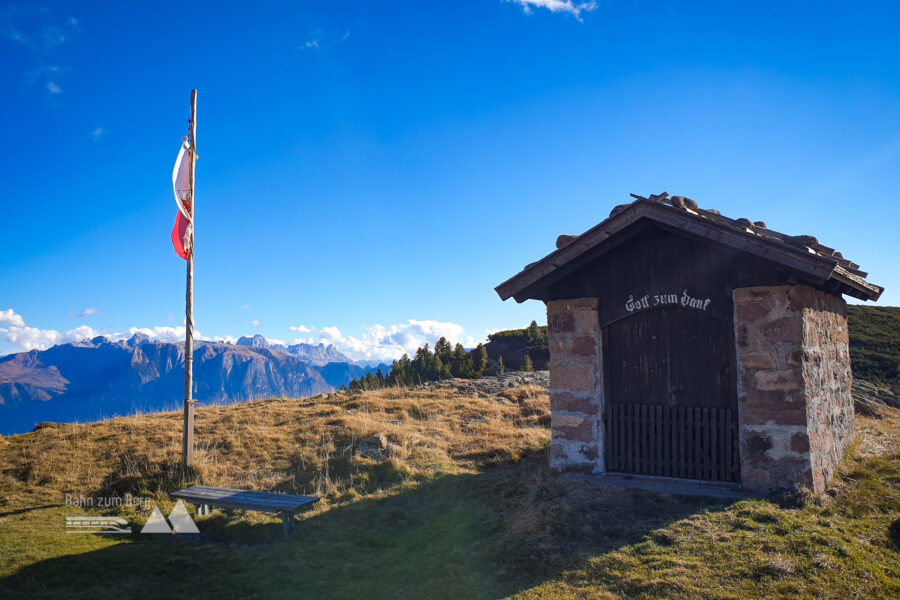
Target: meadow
464,508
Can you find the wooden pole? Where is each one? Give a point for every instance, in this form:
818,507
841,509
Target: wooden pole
187,439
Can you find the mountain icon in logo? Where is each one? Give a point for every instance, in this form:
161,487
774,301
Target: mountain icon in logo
181,521
179,518
156,523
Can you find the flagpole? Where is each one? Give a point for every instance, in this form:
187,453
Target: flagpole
187,439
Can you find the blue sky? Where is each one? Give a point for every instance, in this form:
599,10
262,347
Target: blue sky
369,172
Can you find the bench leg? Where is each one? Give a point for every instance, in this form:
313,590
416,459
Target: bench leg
287,522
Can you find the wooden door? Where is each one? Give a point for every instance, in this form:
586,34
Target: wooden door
670,394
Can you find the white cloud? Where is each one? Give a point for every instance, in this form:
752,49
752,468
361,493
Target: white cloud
31,338
255,322
85,313
95,135
22,337
565,6
387,343
53,88
324,39
162,333
331,333
302,329
9,317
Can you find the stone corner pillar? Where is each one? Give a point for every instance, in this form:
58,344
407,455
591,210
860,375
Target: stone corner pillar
793,371
576,386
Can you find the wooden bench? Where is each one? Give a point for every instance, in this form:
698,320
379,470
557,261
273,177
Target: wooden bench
205,496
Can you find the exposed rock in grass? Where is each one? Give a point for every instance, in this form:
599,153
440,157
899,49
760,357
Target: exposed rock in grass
871,399
491,386
45,425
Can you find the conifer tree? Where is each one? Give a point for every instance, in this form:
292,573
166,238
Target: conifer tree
500,368
480,360
443,349
527,365
458,362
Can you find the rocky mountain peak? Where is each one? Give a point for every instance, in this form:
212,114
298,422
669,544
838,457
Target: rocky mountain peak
257,341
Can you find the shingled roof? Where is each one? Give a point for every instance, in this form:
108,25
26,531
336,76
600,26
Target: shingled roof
820,265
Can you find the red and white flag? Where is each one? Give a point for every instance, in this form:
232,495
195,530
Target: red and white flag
182,233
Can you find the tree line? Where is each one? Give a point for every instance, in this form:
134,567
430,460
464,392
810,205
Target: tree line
444,362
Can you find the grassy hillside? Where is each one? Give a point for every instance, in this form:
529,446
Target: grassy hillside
514,344
875,343
466,509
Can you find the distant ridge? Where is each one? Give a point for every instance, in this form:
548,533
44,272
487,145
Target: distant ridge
317,354
101,378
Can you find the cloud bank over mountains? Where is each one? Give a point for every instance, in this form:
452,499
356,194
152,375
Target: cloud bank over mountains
377,342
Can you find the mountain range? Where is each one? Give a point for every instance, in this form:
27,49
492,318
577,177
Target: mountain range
101,378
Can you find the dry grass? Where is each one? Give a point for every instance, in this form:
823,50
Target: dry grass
302,446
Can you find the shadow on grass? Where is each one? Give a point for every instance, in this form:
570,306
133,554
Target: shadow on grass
486,535
22,511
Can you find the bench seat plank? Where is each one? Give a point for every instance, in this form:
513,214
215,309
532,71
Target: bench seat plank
244,499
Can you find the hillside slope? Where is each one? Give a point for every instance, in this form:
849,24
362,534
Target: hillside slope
462,507
875,342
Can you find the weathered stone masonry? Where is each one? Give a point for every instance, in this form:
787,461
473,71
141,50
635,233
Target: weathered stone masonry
794,378
576,385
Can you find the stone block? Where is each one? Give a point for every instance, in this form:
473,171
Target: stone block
783,330
786,380
751,312
756,444
566,401
584,346
560,322
756,360
753,294
768,399
587,321
775,416
566,376
800,443
571,428
581,303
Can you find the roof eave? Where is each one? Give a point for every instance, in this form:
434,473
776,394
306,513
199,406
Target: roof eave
818,268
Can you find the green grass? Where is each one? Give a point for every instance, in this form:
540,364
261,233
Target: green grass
504,528
875,342
509,530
